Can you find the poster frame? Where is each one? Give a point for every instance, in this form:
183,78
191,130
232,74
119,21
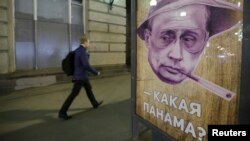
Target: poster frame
244,113
139,125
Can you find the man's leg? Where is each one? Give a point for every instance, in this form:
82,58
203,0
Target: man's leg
75,91
90,94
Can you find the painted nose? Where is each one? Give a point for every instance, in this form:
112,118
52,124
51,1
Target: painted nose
175,52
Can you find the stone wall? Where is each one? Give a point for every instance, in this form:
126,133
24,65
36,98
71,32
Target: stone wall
106,27
6,36
3,36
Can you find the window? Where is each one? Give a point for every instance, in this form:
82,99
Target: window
43,39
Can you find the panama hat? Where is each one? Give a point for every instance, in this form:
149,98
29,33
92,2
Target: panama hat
223,15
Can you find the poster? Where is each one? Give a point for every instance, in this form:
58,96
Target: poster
188,64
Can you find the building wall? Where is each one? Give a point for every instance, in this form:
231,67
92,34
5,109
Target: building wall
106,27
6,36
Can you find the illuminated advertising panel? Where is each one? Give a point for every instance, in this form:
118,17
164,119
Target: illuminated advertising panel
188,64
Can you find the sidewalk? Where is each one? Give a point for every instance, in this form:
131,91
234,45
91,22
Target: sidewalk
31,114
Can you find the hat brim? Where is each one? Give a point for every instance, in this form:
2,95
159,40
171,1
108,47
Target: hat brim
224,15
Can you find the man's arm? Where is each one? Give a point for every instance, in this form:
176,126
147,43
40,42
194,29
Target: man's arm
85,63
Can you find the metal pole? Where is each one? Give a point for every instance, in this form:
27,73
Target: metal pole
69,23
35,34
244,114
135,122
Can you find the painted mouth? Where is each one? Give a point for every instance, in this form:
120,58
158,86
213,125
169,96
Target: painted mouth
171,69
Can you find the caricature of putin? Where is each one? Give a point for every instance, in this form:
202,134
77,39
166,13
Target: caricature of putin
177,31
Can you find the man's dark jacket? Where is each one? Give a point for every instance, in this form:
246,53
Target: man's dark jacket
82,66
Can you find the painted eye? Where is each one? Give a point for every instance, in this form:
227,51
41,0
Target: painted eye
189,41
167,37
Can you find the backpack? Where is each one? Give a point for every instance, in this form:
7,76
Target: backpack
68,63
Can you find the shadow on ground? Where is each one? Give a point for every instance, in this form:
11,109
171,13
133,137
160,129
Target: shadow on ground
107,123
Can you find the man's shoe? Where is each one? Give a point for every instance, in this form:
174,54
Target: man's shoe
98,104
64,116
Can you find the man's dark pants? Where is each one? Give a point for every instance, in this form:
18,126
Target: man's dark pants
78,84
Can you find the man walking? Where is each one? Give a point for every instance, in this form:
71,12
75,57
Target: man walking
80,78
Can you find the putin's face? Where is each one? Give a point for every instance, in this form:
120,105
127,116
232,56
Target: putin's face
175,42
